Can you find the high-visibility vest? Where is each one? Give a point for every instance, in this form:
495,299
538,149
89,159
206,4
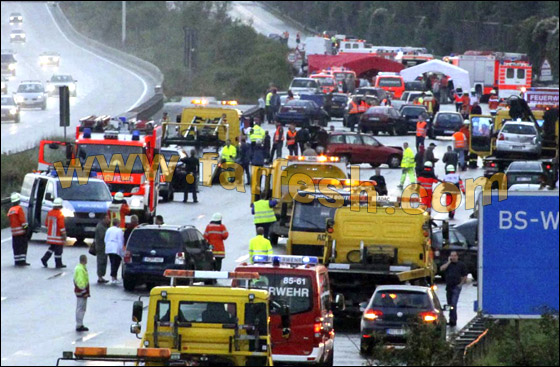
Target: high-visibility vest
291,137
458,99
278,135
493,102
363,107
408,159
257,134
427,183
354,108
459,140
118,211
268,98
263,212
215,234
56,229
18,223
81,281
259,246
418,101
429,105
421,128
229,153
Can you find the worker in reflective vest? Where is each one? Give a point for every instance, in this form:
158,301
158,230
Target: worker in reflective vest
264,214
452,178
18,224
458,103
119,209
353,113
56,234
259,245
363,106
427,179
229,152
421,132
268,106
493,101
215,234
257,133
407,164
277,142
460,145
291,140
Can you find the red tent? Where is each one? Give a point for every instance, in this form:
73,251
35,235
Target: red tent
365,65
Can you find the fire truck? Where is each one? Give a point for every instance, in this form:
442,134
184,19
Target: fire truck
505,72
101,137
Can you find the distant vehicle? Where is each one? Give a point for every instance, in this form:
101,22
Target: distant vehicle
48,58
152,249
361,148
406,98
519,137
339,103
415,85
379,93
392,307
383,118
8,63
304,85
58,80
302,113
31,94
17,36
170,183
327,83
4,85
10,110
411,114
525,172
16,18
468,253
275,37
445,124
391,82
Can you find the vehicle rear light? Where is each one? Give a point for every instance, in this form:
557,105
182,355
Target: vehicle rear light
548,166
372,314
502,137
180,258
492,164
127,257
429,316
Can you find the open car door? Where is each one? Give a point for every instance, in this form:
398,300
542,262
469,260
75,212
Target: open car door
51,151
482,140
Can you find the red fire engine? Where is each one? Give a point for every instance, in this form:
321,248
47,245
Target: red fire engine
505,72
96,136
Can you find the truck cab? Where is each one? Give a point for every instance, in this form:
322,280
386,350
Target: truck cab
302,284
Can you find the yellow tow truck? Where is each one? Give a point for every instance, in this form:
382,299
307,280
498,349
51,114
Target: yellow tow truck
196,326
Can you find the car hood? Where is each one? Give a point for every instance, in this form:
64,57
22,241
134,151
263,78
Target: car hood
30,95
87,206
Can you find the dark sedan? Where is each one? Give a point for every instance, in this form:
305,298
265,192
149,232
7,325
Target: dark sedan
339,103
445,124
411,114
383,118
360,148
456,241
525,172
302,113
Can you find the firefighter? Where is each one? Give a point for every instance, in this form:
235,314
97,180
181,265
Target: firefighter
215,234
421,131
493,102
259,245
407,164
354,113
459,145
264,214
18,223
473,158
56,235
291,140
453,178
427,179
229,152
119,209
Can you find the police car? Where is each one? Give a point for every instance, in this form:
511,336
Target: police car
83,205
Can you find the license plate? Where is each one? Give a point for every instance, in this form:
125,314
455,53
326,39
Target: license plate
153,259
523,179
374,119
395,331
448,131
292,111
517,146
89,229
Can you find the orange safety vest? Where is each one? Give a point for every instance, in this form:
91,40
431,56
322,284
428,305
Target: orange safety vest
215,234
427,183
459,139
278,137
17,220
119,211
291,137
493,102
354,109
363,107
421,128
56,230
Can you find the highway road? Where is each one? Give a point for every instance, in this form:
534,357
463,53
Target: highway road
103,86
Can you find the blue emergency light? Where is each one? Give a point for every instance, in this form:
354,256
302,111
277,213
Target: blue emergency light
136,135
123,119
87,133
286,259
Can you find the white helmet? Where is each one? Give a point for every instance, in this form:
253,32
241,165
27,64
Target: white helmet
493,91
473,90
57,202
15,197
119,196
450,168
467,122
428,164
216,217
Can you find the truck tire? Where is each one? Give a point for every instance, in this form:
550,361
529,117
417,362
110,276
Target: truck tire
273,239
129,283
365,347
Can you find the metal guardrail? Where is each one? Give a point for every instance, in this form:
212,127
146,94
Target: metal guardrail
472,340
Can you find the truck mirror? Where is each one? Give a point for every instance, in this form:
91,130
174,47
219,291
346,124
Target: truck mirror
339,302
363,306
285,317
137,309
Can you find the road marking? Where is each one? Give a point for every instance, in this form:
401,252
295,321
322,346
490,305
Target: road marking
102,58
6,240
200,216
56,275
3,299
89,336
242,258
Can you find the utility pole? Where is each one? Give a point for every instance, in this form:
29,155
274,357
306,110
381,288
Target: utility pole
123,23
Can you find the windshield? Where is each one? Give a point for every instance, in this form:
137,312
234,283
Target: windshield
7,101
313,171
207,312
525,166
519,129
30,88
401,299
481,126
109,152
413,111
451,118
390,82
61,78
92,191
303,83
287,289
311,217
155,239
325,81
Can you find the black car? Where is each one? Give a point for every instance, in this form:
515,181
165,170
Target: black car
339,103
525,172
445,124
379,93
8,64
411,114
416,85
456,241
151,249
392,308
383,118
302,113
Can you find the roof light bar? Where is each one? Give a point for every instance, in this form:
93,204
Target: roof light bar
286,259
189,274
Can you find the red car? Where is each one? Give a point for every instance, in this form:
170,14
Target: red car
361,148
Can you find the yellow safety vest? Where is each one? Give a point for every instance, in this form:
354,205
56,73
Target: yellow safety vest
229,153
268,98
263,212
257,134
259,246
408,159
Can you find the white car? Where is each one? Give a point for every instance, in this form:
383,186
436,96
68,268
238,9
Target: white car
17,35
31,93
58,80
16,18
519,137
49,59
10,110
305,86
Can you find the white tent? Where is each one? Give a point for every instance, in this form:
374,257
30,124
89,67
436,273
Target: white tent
460,76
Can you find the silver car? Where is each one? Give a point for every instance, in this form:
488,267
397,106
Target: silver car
49,59
519,137
58,80
10,110
16,18
17,35
304,86
31,94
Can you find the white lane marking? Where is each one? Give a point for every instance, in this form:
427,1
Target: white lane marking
200,216
6,240
242,258
3,299
87,337
102,58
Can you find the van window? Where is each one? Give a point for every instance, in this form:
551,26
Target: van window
311,217
49,190
27,186
521,74
510,73
154,239
295,291
207,312
390,82
163,310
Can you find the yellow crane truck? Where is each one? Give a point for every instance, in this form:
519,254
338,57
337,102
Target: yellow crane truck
364,249
196,326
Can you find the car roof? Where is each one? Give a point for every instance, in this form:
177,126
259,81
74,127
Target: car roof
303,79
49,53
412,288
526,123
30,82
414,105
15,13
169,227
524,166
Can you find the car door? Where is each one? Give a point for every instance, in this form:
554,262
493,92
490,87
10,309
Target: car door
47,202
355,148
336,145
371,150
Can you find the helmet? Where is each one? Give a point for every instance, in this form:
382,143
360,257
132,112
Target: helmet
15,197
119,196
473,90
428,164
493,91
450,168
467,122
57,202
216,217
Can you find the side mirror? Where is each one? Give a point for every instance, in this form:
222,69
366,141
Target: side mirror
330,225
339,302
286,321
363,306
137,309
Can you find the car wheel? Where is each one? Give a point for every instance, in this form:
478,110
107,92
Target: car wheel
150,285
273,239
393,131
394,161
365,347
129,283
